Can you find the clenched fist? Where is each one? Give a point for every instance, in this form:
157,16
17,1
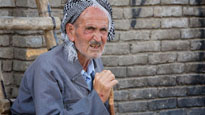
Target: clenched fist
103,83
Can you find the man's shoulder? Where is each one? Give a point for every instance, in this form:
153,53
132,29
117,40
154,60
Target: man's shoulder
52,54
47,59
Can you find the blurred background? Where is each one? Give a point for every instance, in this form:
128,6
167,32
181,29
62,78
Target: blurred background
158,54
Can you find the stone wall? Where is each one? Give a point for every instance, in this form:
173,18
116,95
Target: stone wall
158,54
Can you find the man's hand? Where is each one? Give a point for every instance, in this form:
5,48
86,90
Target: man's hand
103,83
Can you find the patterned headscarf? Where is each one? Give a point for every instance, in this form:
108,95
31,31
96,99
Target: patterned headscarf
73,9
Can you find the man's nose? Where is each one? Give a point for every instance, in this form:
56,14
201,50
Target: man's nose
97,36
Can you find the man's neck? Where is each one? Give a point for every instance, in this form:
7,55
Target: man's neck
83,61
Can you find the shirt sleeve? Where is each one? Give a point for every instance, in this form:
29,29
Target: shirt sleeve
48,99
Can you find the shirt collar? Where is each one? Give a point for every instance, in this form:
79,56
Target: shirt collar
90,68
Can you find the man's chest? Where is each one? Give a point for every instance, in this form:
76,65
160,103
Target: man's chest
74,90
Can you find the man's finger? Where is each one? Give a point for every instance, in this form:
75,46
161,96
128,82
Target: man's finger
110,77
101,75
113,83
107,75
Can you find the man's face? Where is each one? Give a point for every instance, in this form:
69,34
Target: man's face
89,32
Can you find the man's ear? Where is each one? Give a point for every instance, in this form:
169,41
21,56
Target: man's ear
70,31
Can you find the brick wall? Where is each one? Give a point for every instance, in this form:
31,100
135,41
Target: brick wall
158,54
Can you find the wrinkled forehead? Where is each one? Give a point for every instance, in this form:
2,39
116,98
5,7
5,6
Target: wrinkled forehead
93,16
95,12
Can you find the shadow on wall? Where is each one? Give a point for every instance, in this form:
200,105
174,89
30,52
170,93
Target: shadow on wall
135,12
201,67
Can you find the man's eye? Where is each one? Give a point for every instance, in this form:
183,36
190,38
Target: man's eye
90,28
103,30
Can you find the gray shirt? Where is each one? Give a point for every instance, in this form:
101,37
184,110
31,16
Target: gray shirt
52,85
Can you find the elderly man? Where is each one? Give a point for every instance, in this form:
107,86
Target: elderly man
70,78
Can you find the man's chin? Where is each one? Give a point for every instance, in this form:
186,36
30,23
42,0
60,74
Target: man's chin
94,56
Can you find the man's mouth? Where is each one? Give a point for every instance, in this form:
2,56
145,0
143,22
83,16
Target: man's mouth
95,44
